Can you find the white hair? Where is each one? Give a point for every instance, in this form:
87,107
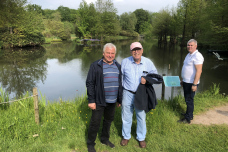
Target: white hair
109,45
192,40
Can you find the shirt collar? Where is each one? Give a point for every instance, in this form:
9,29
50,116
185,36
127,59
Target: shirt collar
194,52
141,62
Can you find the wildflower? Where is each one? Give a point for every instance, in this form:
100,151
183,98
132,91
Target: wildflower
79,117
151,112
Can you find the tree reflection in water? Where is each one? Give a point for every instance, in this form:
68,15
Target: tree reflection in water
21,69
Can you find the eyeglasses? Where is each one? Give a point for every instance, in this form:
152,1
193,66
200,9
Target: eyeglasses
138,50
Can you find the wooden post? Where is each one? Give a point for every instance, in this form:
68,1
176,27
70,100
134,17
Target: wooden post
36,107
172,90
163,88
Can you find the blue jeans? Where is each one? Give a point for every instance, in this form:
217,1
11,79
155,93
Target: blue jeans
189,99
127,114
108,112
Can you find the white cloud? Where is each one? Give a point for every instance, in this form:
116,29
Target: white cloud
121,5
90,1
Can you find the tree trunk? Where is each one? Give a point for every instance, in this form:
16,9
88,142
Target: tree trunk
10,29
183,35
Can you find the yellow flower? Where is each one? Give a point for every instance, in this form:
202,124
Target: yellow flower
79,117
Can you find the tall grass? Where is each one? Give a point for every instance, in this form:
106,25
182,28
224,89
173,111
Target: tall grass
63,127
4,97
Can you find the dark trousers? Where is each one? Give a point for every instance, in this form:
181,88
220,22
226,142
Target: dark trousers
108,112
189,99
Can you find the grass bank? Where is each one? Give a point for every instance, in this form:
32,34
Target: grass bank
63,127
56,39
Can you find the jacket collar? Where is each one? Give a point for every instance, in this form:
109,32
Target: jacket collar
100,62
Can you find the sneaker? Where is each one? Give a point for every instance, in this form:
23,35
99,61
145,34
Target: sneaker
91,149
108,143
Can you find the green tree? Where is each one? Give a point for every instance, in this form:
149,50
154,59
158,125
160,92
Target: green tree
161,24
214,24
142,20
57,28
65,13
128,21
189,12
34,7
11,12
48,13
108,23
20,27
86,20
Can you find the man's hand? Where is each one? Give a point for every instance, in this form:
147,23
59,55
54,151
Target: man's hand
92,106
143,80
194,88
181,83
118,104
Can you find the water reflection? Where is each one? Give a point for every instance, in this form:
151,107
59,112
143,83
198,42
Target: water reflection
21,69
59,70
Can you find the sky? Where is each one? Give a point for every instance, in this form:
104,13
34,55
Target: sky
122,6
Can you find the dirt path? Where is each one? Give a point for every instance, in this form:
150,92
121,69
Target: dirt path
218,115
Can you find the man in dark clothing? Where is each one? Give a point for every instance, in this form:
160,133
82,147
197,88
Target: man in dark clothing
104,89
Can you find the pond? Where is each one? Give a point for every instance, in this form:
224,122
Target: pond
59,70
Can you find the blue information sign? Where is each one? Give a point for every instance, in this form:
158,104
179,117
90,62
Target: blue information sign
171,81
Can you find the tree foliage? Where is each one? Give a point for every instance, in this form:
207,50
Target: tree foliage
161,24
34,7
128,21
55,27
142,20
20,27
204,20
86,20
65,13
214,25
108,23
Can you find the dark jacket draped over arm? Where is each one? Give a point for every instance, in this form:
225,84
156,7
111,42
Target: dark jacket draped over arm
145,97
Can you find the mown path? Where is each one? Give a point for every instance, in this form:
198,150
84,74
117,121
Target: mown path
218,115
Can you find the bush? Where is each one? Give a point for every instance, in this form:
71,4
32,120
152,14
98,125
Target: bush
21,38
129,33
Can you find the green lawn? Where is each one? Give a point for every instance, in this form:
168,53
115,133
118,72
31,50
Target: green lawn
63,127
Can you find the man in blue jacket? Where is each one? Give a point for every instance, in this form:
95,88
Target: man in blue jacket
104,89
